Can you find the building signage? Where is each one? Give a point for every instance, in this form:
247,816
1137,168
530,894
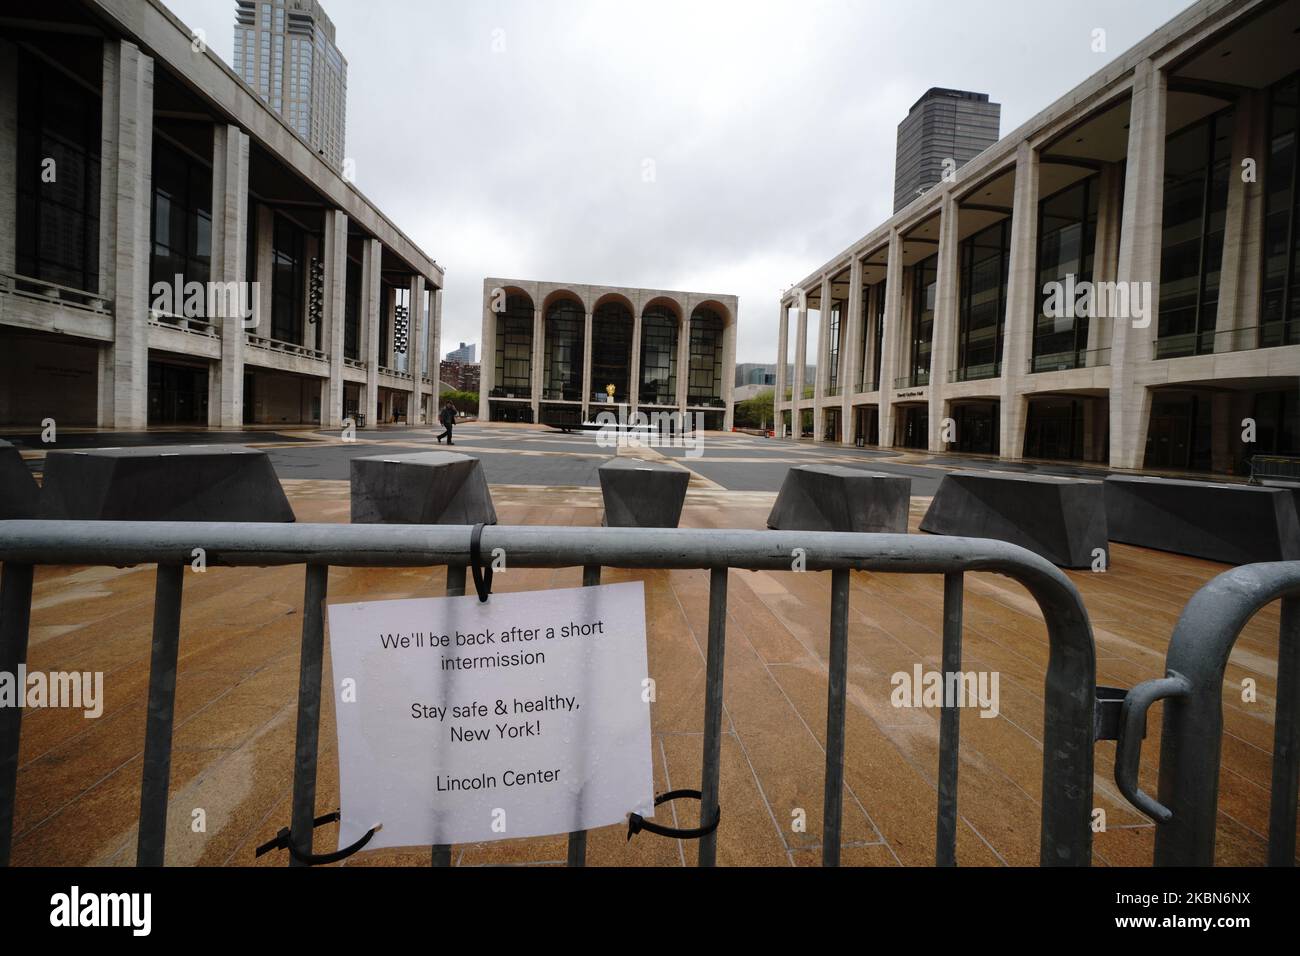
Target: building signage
461,721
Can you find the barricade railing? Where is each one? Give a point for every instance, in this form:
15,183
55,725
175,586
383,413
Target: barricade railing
1071,711
1191,737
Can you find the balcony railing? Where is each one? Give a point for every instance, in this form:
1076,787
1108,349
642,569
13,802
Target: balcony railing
788,393
913,379
182,323
395,373
1212,341
1080,358
695,401
975,373
51,292
511,391
834,391
289,348
866,385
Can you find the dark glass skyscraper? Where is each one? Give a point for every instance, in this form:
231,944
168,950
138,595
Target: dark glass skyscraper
942,124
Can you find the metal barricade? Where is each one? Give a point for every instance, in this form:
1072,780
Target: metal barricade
1070,708
1192,732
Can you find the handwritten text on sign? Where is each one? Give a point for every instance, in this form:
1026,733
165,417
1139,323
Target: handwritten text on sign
461,721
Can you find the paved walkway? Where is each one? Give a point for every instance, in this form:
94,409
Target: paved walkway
78,784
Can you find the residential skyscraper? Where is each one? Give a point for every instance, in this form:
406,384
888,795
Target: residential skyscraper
465,355
942,125
285,50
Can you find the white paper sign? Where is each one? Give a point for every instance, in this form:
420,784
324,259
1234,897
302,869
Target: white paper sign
461,721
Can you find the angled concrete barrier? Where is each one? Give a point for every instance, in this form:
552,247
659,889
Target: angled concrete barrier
836,498
19,493
1235,524
1063,519
642,494
432,487
163,483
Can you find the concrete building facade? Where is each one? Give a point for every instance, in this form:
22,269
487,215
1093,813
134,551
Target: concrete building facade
969,321
551,349
133,164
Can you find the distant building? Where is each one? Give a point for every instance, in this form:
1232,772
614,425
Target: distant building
285,51
559,352
943,126
466,354
756,373
462,376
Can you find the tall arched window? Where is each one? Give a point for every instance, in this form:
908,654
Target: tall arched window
565,328
658,356
514,349
611,350
704,385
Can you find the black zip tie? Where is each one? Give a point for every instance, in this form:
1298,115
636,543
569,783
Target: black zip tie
636,823
283,841
482,575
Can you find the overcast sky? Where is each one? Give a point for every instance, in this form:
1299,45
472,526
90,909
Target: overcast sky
511,137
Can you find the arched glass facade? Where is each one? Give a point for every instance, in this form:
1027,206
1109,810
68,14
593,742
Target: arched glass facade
659,329
565,329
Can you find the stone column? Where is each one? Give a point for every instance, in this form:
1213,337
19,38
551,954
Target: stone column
8,156
487,365
1105,256
1139,262
229,250
946,315
850,355
893,335
539,352
823,372
1022,305
634,393
415,351
729,372
435,347
586,365
335,257
1239,283
869,353
126,163
265,252
371,258
683,357
782,351
800,362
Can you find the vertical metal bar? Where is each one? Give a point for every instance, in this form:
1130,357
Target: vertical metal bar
713,712
15,616
578,838
945,837
158,726
833,795
315,587
455,588
1286,740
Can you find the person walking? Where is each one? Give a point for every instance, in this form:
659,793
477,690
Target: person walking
448,418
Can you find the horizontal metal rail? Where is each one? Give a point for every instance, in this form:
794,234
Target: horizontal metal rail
1068,733
1192,733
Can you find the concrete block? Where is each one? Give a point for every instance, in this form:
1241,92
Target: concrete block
163,483
1063,519
836,498
432,487
19,493
642,494
1235,524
